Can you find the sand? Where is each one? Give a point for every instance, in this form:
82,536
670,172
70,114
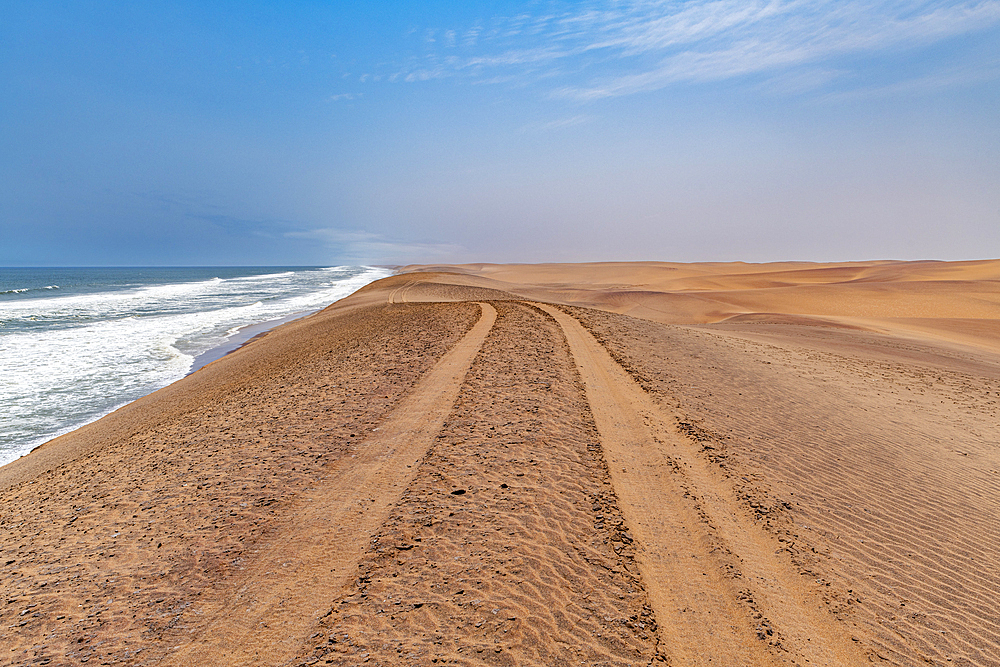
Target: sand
600,464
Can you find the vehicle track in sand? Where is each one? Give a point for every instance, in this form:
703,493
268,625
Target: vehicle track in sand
398,295
721,594
507,547
265,615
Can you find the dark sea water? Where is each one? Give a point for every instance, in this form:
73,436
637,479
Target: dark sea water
77,343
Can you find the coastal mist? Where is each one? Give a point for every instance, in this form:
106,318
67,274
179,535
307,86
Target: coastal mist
77,343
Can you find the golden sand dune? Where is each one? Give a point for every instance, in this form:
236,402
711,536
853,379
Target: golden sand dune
957,302
491,464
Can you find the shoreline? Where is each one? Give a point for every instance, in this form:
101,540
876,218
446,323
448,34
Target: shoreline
243,336
80,392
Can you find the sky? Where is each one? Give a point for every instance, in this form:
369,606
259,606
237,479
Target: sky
322,133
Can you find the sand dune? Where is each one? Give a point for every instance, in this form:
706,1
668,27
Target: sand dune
602,464
950,303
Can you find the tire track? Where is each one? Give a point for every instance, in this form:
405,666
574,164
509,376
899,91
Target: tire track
266,615
398,295
518,567
690,528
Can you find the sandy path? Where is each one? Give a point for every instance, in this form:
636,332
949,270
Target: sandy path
508,547
706,615
264,616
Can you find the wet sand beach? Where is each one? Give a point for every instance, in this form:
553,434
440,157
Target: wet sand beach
599,464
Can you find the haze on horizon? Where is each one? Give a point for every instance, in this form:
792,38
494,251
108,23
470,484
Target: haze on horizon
307,133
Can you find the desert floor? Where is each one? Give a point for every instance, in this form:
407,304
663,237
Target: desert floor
595,464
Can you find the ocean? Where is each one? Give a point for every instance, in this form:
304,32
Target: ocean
78,343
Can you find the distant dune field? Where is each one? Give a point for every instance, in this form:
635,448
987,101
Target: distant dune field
954,301
601,464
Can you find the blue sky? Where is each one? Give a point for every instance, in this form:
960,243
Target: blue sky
328,132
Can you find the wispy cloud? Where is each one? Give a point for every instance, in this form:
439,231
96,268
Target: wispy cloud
368,247
612,48
558,124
